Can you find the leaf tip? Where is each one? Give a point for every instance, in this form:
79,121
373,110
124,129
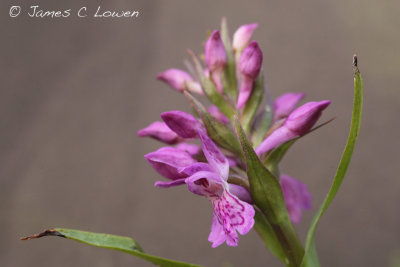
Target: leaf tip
49,232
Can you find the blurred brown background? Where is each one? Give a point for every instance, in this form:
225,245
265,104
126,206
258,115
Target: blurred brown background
75,91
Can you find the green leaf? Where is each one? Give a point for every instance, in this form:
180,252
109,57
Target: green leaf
310,257
267,195
217,131
211,91
229,77
267,234
114,242
252,104
274,158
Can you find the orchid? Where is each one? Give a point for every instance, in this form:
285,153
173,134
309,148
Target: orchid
210,180
243,141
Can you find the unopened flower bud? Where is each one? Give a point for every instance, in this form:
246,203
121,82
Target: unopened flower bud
299,122
183,124
215,56
249,66
304,117
285,104
180,80
242,36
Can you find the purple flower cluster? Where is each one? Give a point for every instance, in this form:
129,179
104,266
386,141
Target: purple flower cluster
207,169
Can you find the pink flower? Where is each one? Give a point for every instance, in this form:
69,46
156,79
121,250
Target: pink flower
215,58
242,36
285,104
180,80
161,132
299,122
231,215
296,197
249,66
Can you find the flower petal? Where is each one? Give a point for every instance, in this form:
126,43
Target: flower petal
167,160
242,36
302,119
196,167
214,156
192,149
216,113
160,131
278,137
285,104
233,215
175,78
217,235
296,197
167,184
240,192
183,124
204,183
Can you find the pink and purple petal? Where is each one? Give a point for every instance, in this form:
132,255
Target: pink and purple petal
168,184
296,197
204,183
160,131
196,167
183,124
167,160
214,156
217,234
285,104
192,149
234,215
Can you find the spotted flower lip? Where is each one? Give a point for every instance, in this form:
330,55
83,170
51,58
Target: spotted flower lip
160,131
167,161
231,215
183,124
242,36
299,122
285,104
249,66
180,80
297,197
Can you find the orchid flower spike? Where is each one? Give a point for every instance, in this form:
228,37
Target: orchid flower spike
296,197
285,104
249,66
231,214
180,80
215,56
161,132
299,122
